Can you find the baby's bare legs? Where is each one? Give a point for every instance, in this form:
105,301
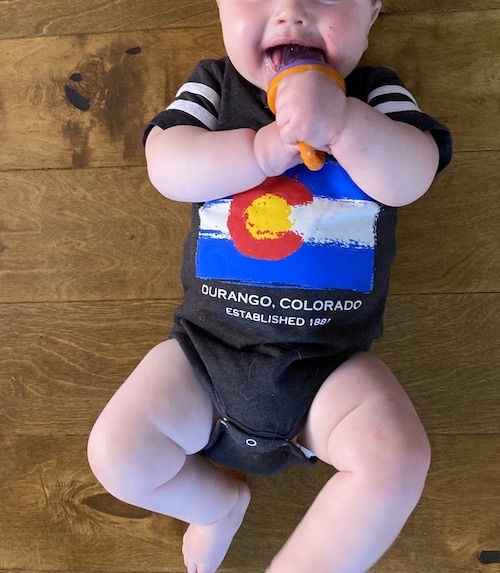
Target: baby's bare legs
362,423
143,451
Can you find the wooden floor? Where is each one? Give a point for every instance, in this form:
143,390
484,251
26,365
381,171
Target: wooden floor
89,265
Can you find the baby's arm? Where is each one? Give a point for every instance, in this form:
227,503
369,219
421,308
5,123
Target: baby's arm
393,162
188,163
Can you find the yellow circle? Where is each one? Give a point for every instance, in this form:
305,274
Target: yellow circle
268,217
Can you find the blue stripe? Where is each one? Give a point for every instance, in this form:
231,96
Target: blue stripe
312,266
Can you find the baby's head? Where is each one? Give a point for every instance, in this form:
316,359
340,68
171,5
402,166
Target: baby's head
255,32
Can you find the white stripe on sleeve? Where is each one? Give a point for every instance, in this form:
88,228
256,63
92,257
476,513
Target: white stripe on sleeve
195,110
201,89
394,106
388,90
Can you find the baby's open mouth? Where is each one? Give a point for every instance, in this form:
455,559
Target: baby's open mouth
286,54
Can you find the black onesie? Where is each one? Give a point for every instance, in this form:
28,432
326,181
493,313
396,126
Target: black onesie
283,282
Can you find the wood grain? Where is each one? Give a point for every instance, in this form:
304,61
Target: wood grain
62,520
60,363
453,80
24,18
449,240
444,351
88,235
79,101
414,6
47,84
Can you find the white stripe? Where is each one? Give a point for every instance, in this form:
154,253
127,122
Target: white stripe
201,89
393,106
324,221
213,217
388,90
195,110
346,221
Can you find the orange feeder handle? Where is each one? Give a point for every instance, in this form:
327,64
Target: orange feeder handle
313,159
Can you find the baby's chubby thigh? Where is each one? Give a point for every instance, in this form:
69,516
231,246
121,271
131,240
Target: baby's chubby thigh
158,416
362,421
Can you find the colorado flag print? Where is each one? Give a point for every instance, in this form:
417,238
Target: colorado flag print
304,229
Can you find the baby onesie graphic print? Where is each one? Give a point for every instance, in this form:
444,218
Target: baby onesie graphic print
304,229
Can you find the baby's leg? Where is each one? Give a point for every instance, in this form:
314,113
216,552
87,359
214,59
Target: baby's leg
143,450
364,424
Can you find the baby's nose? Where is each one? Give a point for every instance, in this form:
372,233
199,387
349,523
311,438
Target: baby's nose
291,12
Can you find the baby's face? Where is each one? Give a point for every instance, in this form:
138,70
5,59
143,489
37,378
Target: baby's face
255,32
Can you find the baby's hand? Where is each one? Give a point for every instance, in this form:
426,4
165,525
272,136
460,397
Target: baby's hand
273,155
310,107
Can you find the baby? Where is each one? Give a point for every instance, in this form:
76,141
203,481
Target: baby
285,274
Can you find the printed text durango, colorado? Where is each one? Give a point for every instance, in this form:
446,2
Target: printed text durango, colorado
286,304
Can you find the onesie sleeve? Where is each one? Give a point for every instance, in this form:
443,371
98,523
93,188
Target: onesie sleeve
384,91
197,102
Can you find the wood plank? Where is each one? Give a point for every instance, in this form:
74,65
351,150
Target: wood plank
448,241
97,234
433,53
413,6
444,351
454,523
79,101
60,363
56,518
23,18
88,235
43,129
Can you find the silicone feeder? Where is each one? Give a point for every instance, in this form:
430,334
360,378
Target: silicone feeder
297,60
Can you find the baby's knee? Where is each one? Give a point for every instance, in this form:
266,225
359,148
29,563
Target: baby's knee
111,466
402,469
411,460
130,466
100,459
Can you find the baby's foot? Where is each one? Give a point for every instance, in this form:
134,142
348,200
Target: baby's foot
205,546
